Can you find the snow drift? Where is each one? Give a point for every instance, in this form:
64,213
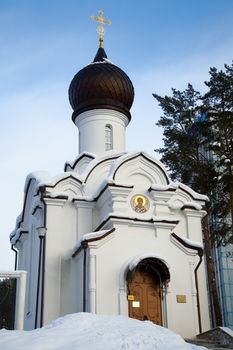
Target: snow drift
84,331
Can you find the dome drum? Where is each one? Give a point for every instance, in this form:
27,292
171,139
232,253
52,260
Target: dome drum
104,103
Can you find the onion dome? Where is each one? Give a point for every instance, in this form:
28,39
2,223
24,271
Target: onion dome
101,85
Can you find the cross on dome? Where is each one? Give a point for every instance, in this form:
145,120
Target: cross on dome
100,28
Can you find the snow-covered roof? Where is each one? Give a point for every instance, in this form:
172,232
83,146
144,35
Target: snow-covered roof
73,163
128,156
110,164
39,176
52,181
91,236
188,243
170,186
192,243
193,193
191,205
105,60
15,235
43,178
108,156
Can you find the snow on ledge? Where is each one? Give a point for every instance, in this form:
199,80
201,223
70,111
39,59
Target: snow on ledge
193,193
90,236
43,178
178,206
192,243
89,155
14,235
38,176
18,221
163,218
93,235
55,194
171,186
110,155
52,181
136,260
105,60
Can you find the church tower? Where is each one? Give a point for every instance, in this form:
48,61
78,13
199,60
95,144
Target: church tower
101,95
111,234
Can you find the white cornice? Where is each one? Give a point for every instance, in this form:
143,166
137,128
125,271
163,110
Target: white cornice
56,202
84,204
187,251
194,213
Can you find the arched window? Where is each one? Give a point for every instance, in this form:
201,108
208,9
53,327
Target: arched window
108,137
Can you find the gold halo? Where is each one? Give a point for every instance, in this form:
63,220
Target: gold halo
145,201
135,198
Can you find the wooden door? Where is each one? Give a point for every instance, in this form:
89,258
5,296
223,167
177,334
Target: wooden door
144,289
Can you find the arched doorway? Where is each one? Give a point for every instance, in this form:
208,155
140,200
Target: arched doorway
145,284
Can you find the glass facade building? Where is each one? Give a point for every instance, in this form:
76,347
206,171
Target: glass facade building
223,263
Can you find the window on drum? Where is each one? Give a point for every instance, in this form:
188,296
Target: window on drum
108,137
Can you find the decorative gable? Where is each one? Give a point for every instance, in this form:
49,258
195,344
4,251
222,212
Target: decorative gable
139,169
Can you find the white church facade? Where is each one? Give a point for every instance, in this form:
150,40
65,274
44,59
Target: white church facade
111,234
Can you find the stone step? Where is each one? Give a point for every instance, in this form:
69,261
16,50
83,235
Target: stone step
209,344
221,336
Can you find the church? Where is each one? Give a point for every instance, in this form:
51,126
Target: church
111,234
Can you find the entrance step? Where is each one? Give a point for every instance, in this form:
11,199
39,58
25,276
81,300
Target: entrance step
221,335
220,338
205,343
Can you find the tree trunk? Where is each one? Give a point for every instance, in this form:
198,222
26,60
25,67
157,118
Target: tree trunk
231,200
213,292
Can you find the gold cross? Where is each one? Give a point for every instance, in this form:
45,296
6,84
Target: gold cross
100,28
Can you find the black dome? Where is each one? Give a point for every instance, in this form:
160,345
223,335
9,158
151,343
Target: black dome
101,84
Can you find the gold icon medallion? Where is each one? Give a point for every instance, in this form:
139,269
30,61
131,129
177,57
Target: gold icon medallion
140,203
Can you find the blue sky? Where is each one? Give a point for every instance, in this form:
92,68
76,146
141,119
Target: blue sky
159,43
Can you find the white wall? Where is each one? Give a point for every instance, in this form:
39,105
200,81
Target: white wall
128,241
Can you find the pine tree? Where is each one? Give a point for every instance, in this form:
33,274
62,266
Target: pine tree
218,103
198,145
183,139
198,151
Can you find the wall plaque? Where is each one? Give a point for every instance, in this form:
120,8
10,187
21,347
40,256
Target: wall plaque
130,297
181,299
136,304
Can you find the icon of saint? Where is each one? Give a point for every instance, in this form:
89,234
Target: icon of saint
140,207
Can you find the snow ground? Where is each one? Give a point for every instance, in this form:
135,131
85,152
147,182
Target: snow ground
84,331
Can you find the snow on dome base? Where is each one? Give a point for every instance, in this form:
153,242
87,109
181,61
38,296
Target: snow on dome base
84,331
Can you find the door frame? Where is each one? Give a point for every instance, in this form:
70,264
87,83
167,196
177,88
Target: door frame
125,273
